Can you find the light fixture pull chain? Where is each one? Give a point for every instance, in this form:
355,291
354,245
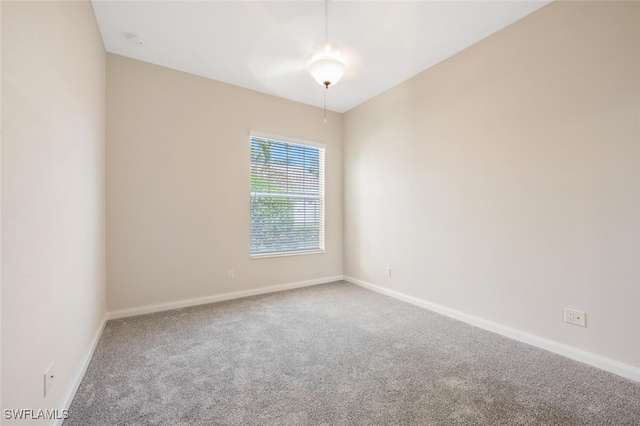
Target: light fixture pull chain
325,103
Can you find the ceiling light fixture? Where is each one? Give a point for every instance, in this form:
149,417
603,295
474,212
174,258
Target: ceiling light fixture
327,65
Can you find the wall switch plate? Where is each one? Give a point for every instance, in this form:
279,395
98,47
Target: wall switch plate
576,317
49,379
387,271
231,274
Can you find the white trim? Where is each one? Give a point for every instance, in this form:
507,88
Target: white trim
278,138
141,310
71,392
286,253
597,361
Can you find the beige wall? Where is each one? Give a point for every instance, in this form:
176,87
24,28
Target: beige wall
53,226
505,181
178,185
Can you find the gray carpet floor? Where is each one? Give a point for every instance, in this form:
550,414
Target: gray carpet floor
334,354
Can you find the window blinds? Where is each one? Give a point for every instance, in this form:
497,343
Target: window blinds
287,197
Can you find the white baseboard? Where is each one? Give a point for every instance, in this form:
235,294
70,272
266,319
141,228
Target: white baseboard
71,392
597,361
141,310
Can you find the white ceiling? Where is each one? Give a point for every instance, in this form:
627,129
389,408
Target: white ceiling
262,45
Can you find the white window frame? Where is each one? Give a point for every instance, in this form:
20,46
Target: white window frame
321,197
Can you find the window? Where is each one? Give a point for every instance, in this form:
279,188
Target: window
287,196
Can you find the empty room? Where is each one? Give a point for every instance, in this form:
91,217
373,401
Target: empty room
320,212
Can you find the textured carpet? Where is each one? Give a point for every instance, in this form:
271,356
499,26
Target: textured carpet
334,354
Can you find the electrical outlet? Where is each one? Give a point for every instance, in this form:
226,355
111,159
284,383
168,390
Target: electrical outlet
231,274
568,316
49,379
387,271
573,316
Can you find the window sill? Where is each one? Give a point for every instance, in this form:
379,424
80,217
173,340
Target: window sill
290,253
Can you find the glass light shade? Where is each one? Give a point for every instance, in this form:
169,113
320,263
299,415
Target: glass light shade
327,66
